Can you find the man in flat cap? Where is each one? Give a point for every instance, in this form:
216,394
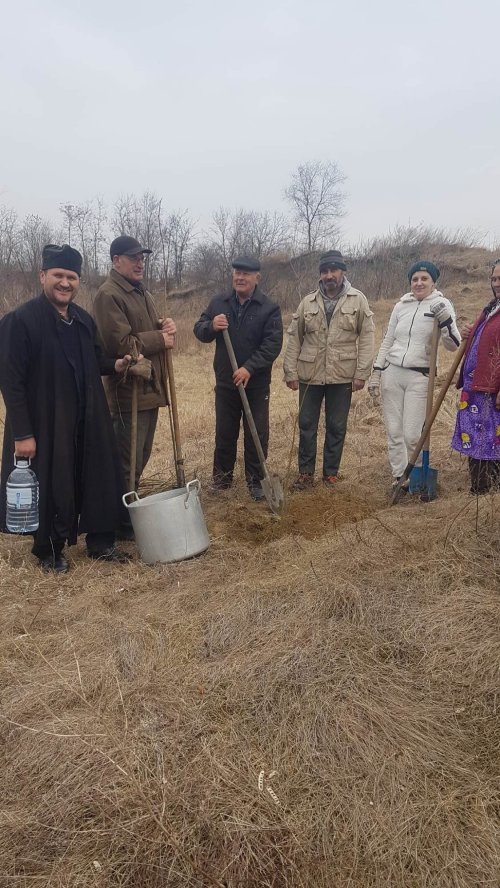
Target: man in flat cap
329,356
128,322
256,330
51,364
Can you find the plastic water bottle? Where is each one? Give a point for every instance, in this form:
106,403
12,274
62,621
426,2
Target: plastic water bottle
22,498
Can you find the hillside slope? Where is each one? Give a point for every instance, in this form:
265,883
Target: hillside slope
313,702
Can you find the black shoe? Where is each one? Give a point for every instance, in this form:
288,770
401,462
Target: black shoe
55,563
125,534
257,493
110,554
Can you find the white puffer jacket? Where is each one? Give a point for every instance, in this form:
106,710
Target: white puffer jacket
407,341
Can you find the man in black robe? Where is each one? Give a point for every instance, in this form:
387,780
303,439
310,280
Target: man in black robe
51,364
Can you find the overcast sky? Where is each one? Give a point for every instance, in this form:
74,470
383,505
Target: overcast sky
215,102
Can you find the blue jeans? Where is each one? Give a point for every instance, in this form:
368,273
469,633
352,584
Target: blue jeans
337,403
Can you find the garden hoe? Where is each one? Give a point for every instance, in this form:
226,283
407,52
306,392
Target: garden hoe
271,484
429,422
423,479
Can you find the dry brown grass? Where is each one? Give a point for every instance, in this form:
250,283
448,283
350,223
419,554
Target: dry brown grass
313,702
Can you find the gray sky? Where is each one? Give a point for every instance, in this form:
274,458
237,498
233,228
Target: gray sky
215,103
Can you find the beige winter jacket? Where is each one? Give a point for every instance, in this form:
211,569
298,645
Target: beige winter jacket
326,355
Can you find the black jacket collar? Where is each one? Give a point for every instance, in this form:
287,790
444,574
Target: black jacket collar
257,296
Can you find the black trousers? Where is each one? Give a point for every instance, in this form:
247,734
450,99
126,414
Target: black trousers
96,542
484,474
228,414
337,403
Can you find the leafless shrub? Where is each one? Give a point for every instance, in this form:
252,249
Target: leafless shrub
380,265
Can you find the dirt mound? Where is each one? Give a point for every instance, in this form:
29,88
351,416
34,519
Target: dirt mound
309,514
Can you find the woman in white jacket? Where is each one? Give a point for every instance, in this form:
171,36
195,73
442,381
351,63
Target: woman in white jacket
401,370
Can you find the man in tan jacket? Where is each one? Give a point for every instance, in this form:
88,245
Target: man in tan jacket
329,356
128,323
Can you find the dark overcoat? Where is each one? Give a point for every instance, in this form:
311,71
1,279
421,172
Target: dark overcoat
39,384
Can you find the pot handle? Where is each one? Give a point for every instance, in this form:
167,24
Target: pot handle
132,493
191,486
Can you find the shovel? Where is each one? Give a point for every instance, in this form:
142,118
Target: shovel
271,484
133,434
174,421
133,424
429,423
423,479
138,370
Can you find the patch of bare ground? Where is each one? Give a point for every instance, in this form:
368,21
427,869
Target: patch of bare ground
312,703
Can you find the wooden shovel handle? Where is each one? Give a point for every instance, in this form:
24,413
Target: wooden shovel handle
179,460
432,377
246,407
133,434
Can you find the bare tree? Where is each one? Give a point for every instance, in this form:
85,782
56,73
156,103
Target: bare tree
98,238
181,230
34,235
9,248
124,217
82,224
68,211
266,233
317,202
9,237
205,264
236,232
85,227
227,236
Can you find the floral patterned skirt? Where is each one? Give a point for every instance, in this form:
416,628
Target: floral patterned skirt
477,429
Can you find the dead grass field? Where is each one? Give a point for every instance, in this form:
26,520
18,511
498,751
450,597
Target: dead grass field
312,703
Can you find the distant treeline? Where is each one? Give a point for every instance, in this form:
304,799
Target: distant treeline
186,258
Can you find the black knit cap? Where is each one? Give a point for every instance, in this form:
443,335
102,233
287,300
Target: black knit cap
65,257
424,265
246,263
126,246
332,259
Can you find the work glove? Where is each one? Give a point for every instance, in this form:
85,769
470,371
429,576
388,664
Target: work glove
142,369
440,311
374,386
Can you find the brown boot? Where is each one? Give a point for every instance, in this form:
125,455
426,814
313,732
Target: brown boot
330,480
303,482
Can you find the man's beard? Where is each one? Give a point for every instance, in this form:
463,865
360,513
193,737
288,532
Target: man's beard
332,290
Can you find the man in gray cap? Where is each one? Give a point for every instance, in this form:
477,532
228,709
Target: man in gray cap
329,356
256,330
51,365
128,322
